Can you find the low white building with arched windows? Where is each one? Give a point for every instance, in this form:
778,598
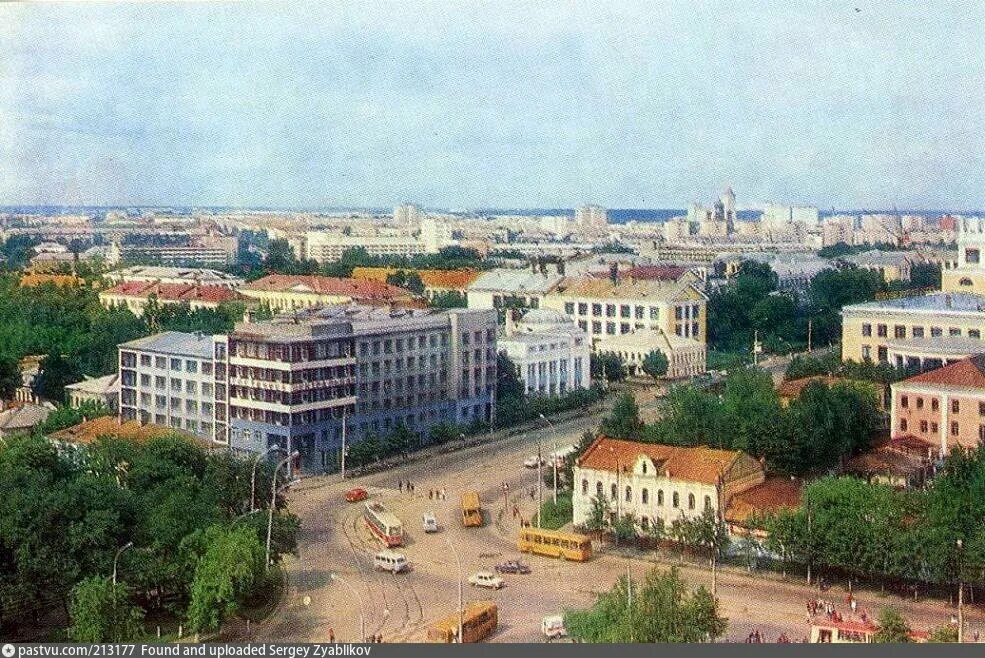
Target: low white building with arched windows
655,481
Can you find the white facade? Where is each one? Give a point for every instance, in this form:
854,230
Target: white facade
552,354
159,274
590,216
325,247
167,379
406,213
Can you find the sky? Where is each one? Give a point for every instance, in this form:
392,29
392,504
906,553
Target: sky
493,104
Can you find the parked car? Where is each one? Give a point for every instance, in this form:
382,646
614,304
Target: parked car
486,579
552,627
356,495
429,522
513,566
533,461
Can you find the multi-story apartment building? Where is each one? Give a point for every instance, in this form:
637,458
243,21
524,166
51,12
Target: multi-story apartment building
293,381
177,275
926,330
551,353
969,275
167,379
325,247
615,306
943,407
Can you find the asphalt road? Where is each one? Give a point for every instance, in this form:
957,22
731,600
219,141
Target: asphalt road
334,539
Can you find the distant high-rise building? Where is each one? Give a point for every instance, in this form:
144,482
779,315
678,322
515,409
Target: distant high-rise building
406,213
590,216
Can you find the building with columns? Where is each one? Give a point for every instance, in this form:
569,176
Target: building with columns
552,354
944,407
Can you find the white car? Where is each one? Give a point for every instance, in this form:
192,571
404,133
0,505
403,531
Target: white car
486,579
429,522
533,461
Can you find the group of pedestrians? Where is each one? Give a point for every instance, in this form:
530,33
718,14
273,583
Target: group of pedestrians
437,494
405,485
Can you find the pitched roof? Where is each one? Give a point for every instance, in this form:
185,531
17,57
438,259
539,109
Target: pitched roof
356,289
173,292
432,279
23,417
698,464
88,431
773,495
794,387
966,373
626,289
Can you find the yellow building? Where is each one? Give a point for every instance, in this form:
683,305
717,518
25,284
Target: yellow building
606,307
284,292
435,281
929,328
969,275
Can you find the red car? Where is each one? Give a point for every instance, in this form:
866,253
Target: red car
355,495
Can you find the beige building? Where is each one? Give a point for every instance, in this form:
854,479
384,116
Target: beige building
286,292
659,483
969,275
685,356
617,305
918,327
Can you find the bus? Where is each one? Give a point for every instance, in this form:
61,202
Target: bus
479,619
383,524
471,512
553,543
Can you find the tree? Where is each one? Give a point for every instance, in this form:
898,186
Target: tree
449,299
893,628
660,609
10,376
55,372
102,612
607,366
655,364
229,564
624,420
65,416
943,634
598,514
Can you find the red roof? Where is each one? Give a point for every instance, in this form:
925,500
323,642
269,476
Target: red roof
768,497
657,272
966,373
357,289
699,464
794,387
174,292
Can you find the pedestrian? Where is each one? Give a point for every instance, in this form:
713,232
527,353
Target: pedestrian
976,636
430,494
400,483
854,605
444,494
331,635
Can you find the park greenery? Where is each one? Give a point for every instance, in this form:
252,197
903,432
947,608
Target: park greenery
848,526
607,367
661,608
815,432
196,551
78,337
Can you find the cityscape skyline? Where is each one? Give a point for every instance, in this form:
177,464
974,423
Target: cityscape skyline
491,106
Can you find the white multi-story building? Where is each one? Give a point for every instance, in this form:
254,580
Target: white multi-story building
325,247
167,379
838,229
591,216
551,353
406,213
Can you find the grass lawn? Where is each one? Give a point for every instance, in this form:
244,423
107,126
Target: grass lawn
556,516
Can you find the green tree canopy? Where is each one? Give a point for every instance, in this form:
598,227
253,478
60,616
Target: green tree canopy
102,612
655,364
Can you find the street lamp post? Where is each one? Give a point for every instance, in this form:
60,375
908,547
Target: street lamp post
362,617
960,594
273,503
461,605
540,482
253,477
554,431
117,557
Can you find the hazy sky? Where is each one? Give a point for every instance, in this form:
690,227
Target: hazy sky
467,104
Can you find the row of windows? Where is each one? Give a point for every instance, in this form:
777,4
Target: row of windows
177,385
391,345
932,428
625,310
899,331
644,495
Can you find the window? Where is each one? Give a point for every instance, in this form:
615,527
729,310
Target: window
965,281
917,332
904,402
610,328
614,492
160,362
955,429
645,496
660,497
935,404
569,308
676,500
654,313
598,490
866,329
176,364
597,310
191,366
629,494
981,408
919,403
981,434
902,424
707,502
971,256
899,331
955,406
936,332
954,331
690,501
610,310
933,428
881,331
582,308
145,359
624,311
639,312
923,426
974,333
584,487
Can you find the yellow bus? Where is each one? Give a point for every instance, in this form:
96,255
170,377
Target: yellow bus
478,621
553,543
471,512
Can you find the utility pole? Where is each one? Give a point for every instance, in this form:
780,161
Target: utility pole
810,329
540,482
960,594
343,443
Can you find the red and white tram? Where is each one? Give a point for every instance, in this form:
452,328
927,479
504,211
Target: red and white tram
383,524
